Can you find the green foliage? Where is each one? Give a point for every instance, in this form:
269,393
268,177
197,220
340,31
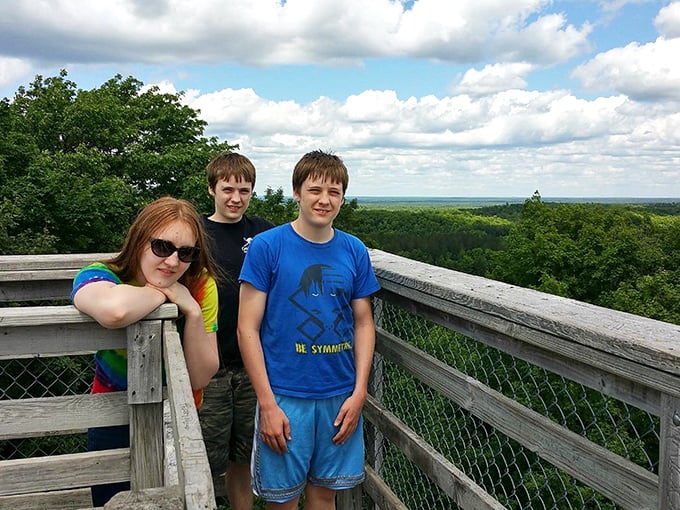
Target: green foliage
452,238
656,296
77,165
279,209
615,256
273,207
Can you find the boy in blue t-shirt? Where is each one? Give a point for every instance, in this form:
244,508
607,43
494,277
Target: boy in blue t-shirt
306,335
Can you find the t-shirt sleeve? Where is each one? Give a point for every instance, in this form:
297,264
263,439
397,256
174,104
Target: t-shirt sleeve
205,294
96,272
366,283
255,268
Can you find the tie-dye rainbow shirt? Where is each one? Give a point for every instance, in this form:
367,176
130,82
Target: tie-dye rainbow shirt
111,364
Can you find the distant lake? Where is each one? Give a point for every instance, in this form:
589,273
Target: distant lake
485,201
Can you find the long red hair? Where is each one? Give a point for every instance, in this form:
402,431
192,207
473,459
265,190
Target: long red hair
153,218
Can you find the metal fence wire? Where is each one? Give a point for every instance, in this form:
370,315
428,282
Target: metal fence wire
511,473
38,378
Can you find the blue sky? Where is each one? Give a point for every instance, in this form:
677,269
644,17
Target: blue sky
572,98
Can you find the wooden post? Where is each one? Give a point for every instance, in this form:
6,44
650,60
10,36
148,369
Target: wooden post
192,470
349,499
669,454
375,442
145,397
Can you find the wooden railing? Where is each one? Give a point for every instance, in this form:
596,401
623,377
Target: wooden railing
629,358
632,359
159,467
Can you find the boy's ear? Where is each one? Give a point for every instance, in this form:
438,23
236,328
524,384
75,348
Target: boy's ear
211,191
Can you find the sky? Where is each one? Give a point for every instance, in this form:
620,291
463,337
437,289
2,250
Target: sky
483,98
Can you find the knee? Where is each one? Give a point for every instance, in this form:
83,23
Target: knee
319,494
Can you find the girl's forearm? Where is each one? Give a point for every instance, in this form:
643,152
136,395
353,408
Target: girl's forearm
117,306
200,352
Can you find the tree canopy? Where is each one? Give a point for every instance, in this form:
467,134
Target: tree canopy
77,165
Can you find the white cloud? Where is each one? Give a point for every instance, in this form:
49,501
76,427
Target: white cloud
508,30
493,78
164,87
13,69
487,135
668,20
371,106
644,72
265,32
613,6
548,40
516,140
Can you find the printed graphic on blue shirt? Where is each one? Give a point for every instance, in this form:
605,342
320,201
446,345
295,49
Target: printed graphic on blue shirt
327,313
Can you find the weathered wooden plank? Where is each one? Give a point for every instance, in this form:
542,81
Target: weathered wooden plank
35,290
67,314
27,332
349,499
193,470
145,361
49,340
596,373
170,474
33,417
145,396
56,472
624,367
381,493
626,483
39,315
156,498
454,482
638,339
41,277
50,261
146,446
53,500
37,276
669,454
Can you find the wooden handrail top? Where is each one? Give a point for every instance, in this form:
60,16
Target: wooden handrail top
35,275
50,262
495,304
67,314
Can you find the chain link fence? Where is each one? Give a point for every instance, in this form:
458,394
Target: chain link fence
44,377
511,473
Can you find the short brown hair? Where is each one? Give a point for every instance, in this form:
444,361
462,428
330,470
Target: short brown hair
230,164
320,164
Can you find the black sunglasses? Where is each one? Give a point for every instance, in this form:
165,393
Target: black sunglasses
162,248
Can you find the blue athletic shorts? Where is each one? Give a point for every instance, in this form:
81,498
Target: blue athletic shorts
312,457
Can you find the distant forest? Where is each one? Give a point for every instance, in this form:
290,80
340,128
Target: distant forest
621,256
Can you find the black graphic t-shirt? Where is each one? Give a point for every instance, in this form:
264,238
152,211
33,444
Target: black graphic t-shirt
229,244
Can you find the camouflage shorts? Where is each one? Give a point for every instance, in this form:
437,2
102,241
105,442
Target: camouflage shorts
227,419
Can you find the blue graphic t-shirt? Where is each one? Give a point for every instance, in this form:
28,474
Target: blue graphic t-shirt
307,330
